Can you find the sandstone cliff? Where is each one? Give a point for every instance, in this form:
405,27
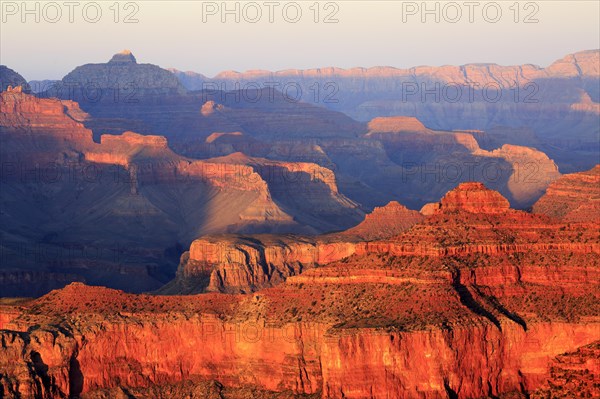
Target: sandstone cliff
574,197
551,101
432,161
477,300
234,263
72,203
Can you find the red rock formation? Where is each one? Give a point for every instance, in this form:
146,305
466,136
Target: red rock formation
216,136
429,208
234,263
383,222
575,374
62,189
469,220
574,197
474,198
210,107
480,307
26,120
397,124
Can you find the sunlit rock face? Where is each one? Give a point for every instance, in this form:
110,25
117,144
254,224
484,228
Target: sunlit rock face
474,198
69,201
475,300
559,104
574,197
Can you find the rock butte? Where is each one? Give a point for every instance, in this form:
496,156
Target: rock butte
574,197
475,198
74,190
8,77
466,299
395,148
451,97
463,304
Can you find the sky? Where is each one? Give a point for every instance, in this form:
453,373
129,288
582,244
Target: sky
46,40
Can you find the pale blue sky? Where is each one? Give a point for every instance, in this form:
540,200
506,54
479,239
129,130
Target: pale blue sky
369,33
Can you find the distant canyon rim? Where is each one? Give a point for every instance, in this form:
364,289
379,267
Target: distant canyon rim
350,233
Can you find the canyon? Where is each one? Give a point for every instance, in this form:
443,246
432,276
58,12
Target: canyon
474,300
168,235
546,102
70,202
85,176
412,167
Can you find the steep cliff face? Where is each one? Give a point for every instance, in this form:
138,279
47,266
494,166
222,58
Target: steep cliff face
299,357
470,220
324,332
74,208
532,171
438,160
562,97
475,301
249,263
235,263
574,197
40,131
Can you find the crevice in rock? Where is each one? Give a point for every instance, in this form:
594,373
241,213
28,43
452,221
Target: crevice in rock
41,370
449,391
467,299
501,309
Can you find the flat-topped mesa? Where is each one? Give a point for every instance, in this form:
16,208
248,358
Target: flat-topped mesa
123,73
124,57
474,197
134,139
396,124
124,148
